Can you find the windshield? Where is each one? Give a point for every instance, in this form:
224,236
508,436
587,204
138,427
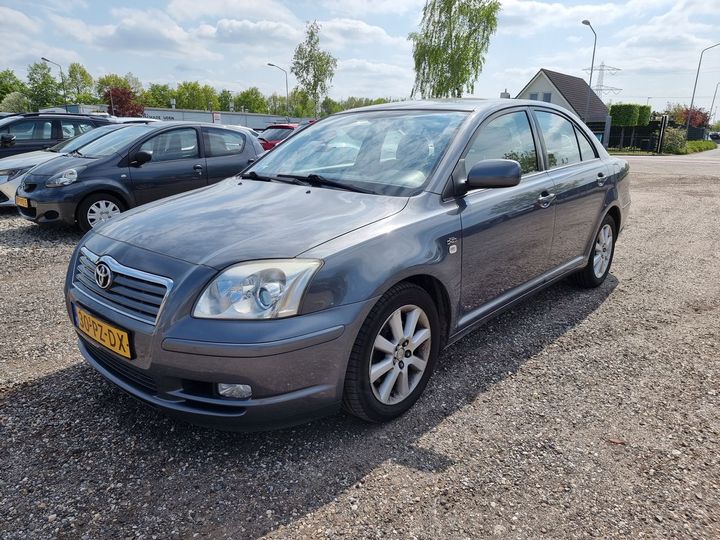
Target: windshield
70,145
276,134
8,119
115,141
387,152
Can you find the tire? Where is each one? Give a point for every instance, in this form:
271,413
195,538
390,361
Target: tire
377,345
97,201
596,270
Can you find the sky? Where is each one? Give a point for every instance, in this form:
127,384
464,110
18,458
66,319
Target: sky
656,44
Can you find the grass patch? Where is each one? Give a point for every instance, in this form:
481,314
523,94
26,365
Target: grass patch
700,146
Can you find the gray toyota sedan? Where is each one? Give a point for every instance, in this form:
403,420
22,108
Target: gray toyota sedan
333,271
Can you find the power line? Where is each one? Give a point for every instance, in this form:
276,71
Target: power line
600,88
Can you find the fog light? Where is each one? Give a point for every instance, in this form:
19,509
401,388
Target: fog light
236,391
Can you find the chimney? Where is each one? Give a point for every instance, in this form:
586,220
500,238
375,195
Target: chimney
505,94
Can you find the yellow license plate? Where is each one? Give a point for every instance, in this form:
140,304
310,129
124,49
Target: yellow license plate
118,341
22,201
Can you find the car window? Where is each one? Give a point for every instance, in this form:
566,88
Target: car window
70,145
506,137
560,142
348,149
223,142
587,150
276,134
116,141
25,130
73,128
170,145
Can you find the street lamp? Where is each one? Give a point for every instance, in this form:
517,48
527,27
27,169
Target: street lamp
692,100
287,93
62,79
592,67
713,101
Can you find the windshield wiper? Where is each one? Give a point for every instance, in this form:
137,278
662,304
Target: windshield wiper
317,180
252,175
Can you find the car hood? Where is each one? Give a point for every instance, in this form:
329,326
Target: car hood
60,164
238,220
29,159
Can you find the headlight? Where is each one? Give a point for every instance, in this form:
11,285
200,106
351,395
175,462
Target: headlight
64,178
269,289
11,174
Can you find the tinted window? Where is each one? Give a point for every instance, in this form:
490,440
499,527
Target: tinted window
276,134
560,141
586,149
175,144
533,96
347,148
222,142
70,145
73,128
30,129
506,137
547,97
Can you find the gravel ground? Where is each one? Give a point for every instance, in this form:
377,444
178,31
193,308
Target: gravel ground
579,414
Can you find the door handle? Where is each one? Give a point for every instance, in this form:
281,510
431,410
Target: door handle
601,179
198,168
545,199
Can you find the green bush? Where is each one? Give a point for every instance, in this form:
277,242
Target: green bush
625,114
644,113
700,146
675,141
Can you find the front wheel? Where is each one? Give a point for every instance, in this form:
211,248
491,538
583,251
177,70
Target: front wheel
393,355
97,209
601,256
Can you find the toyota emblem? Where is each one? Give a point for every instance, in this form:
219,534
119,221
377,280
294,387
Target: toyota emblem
103,276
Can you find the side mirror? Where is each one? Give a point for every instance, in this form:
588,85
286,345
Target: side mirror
141,158
7,140
493,173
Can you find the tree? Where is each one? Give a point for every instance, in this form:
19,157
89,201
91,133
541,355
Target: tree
193,95
80,84
313,67
15,102
330,106
251,100
449,50
225,98
277,104
43,89
10,83
157,95
678,113
134,83
624,114
644,114
111,80
122,102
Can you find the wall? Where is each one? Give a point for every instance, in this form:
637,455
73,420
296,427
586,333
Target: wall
541,85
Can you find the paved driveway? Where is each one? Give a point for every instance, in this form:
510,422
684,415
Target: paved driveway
579,414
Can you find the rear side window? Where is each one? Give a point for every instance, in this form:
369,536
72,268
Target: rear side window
560,141
587,151
26,130
73,128
222,142
506,137
170,145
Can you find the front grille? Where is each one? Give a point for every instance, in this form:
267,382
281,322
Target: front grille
134,293
27,212
121,368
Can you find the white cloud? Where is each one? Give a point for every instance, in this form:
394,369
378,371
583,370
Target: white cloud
360,8
15,21
354,32
256,34
231,9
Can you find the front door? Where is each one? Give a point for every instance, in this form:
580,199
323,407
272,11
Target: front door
175,167
227,152
30,134
507,232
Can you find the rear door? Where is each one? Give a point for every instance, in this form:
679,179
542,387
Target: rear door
227,152
507,232
30,134
580,182
176,165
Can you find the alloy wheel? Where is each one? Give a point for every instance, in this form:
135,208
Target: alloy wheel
400,354
603,250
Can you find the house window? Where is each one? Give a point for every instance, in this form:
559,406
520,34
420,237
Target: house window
534,96
546,97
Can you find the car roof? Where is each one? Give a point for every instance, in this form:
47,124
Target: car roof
454,104
282,126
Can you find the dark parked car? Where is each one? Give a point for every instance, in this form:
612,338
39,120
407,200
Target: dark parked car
317,282
130,167
272,135
35,131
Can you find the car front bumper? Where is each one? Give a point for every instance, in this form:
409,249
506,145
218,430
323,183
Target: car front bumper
293,379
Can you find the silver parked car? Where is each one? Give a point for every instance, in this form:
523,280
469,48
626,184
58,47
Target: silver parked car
334,270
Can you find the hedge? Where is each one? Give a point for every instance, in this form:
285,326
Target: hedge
625,114
700,146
